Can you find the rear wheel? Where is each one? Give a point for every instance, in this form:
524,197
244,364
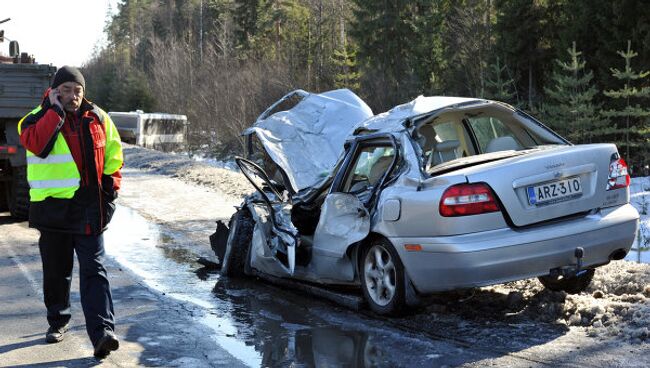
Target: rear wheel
3,196
240,235
18,193
382,278
571,285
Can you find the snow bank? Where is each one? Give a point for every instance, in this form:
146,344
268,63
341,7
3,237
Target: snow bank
226,181
616,304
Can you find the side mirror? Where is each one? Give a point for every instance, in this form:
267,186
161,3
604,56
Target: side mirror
14,49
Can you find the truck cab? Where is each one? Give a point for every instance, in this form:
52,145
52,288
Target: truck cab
22,83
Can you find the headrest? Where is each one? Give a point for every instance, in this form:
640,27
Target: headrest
505,143
449,145
429,135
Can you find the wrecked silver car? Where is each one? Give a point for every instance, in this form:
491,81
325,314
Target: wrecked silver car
436,194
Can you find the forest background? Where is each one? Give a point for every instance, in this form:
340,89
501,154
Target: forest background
580,66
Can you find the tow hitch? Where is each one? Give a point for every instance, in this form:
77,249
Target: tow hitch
573,270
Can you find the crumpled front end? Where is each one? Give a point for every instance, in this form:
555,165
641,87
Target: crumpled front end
274,241
307,140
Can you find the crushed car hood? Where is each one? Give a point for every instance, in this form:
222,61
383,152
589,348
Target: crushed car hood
306,140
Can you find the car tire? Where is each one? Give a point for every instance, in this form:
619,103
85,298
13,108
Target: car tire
4,195
240,235
382,278
571,285
18,193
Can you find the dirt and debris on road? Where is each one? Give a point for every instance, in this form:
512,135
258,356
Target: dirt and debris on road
615,305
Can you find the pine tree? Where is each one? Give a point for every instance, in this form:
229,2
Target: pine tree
573,110
384,35
498,84
467,38
245,18
346,61
399,48
281,31
611,23
524,35
634,116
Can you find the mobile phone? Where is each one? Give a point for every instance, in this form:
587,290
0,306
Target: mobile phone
57,95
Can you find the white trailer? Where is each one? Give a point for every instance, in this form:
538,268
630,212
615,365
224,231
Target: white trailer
165,132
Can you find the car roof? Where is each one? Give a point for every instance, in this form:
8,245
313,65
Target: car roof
306,140
393,120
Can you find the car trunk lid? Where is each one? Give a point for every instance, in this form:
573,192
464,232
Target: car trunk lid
551,183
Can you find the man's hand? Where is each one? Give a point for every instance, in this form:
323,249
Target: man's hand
54,98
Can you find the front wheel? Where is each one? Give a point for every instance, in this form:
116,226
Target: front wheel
18,193
571,285
382,278
236,257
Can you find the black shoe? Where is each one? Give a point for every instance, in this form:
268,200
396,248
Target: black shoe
55,334
106,344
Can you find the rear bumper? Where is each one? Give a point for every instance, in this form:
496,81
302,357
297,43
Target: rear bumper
497,256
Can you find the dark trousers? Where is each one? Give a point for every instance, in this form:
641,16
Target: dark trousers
57,252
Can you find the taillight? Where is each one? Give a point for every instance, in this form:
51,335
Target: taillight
468,199
619,176
8,149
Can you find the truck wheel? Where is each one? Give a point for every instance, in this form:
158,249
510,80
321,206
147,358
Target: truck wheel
236,258
382,278
18,198
571,285
4,194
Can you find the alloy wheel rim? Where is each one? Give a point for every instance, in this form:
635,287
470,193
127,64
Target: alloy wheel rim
380,275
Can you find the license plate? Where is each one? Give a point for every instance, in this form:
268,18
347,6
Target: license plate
555,191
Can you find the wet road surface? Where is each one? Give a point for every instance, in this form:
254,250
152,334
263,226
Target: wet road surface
260,324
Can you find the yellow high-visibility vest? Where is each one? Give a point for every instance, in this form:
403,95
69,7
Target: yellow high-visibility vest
57,175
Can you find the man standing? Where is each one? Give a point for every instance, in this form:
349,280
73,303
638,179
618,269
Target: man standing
74,157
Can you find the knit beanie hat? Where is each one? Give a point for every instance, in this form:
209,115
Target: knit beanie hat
68,74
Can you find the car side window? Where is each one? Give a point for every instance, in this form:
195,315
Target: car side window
368,168
493,135
446,131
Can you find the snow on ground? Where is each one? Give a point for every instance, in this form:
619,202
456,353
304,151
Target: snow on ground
640,199
179,166
615,306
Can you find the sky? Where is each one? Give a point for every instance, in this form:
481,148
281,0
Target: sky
57,32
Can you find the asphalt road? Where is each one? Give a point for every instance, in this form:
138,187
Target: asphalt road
171,312
154,330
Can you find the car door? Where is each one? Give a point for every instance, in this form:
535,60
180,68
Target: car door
345,214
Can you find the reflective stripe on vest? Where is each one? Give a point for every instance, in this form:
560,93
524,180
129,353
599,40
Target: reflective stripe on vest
54,176
50,159
43,184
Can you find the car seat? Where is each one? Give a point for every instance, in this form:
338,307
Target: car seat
505,143
445,151
379,168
